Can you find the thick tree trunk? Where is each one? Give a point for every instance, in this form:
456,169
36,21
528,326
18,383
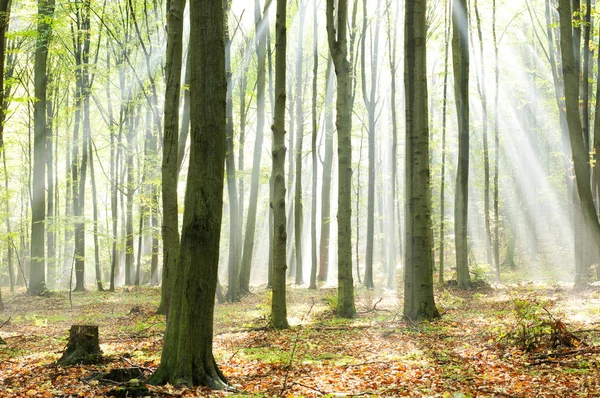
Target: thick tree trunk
579,154
418,278
187,357
338,47
278,304
37,281
460,58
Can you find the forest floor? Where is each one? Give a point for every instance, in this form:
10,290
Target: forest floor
514,341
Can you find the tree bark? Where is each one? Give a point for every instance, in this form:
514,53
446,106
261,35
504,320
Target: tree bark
338,47
460,59
187,357
37,281
313,207
579,154
170,172
419,302
278,303
258,144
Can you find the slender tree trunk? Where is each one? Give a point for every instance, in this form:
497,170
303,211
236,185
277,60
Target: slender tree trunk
460,59
298,204
260,126
338,48
392,45
370,99
326,183
418,279
232,293
170,171
50,221
4,102
497,144
313,207
95,211
486,157
447,26
278,306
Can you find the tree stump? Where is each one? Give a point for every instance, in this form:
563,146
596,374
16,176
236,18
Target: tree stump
83,346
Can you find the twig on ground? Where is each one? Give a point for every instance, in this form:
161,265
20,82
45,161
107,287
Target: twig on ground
131,364
351,365
590,350
5,322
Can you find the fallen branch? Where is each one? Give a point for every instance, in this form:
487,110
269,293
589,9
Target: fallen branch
321,328
5,322
590,350
351,365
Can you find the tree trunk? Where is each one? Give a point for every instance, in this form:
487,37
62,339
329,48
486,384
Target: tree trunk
170,219
486,157
460,59
370,99
4,94
327,166
338,48
447,26
313,207
95,211
298,204
418,279
232,291
37,281
392,45
579,154
278,303
260,126
187,357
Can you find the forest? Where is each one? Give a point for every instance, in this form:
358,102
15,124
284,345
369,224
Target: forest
299,198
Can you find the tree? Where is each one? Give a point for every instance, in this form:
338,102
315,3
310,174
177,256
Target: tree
578,148
278,304
37,281
339,49
460,60
187,356
444,126
170,220
326,184
313,207
260,126
418,277
369,97
298,204
232,268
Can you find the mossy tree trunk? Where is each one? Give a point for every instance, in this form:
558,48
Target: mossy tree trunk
418,279
187,357
338,46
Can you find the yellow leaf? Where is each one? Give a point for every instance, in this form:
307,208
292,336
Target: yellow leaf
31,393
